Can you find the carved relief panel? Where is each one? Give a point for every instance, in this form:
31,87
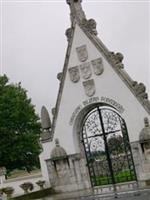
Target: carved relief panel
89,87
82,53
86,70
97,66
74,74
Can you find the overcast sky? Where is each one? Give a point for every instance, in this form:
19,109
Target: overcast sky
33,43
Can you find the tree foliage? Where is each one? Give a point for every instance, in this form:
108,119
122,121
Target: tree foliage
19,128
116,144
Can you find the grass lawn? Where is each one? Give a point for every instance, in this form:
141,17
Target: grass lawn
18,173
120,177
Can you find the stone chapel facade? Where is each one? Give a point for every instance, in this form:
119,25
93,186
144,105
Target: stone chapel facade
100,132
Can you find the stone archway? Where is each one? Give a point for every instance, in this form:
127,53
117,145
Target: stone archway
107,148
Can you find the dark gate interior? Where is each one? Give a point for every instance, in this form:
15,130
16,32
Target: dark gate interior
107,147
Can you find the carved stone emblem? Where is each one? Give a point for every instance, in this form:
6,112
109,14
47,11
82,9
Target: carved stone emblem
74,74
86,70
89,87
82,53
98,66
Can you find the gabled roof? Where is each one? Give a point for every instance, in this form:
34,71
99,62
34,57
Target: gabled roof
115,59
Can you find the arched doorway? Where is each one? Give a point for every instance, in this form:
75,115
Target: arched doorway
107,147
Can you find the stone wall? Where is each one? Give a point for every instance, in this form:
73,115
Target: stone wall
68,174
16,182
142,164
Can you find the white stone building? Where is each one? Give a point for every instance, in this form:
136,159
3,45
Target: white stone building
100,134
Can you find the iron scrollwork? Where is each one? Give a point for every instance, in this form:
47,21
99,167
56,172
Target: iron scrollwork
107,147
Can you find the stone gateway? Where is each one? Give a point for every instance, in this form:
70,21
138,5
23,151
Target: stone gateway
99,137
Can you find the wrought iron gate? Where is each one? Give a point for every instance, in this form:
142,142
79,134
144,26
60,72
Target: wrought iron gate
107,147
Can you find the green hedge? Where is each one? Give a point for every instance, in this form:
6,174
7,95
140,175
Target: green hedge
35,195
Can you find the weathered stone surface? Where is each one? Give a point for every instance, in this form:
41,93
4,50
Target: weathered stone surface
59,76
58,152
140,90
90,26
68,175
117,59
68,34
45,119
145,132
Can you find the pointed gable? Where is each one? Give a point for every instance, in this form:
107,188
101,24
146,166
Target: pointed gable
93,74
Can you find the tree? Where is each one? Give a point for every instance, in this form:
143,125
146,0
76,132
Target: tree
19,128
116,144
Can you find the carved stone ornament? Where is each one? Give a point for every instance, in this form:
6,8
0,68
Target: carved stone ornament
117,59
90,25
74,74
68,34
97,66
86,70
82,53
59,76
140,90
89,87
45,118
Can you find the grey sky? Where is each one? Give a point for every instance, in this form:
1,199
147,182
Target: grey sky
33,43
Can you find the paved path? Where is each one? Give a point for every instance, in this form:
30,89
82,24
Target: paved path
144,195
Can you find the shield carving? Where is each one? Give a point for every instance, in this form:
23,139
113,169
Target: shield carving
98,66
74,74
82,53
86,70
89,87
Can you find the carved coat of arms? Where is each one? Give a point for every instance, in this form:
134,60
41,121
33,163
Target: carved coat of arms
74,74
89,87
98,66
86,70
82,53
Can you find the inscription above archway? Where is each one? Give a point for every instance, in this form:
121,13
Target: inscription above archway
92,100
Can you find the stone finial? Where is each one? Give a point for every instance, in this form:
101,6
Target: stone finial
69,1
45,118
76,10
77,14
58,152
